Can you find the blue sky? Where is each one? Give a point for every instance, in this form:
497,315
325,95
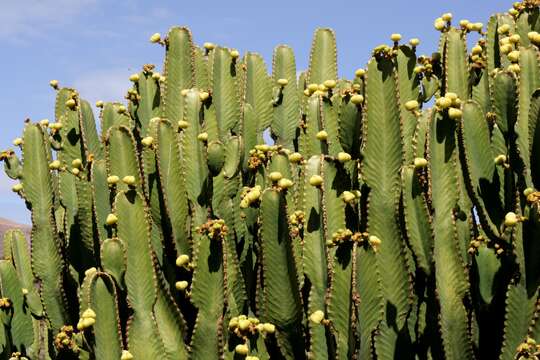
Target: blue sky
94,45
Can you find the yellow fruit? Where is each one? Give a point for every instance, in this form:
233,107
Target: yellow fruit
275,176
295,157
420,163
514,39
54,84
181,285
269,328
515,68
134,78
89,313
360,73
454,113
44,122
510,219
111,219
17,141
209,46
322,135
147,141
129,180
99,103
478,26
182,260
75,171
443,102
348,196
411,105
17,187
439,24
88,322
282,82
513,56
330,84
503,29
312,88
54,165
155,38
77,163
316,317
243,324
156,75
316,180
374,241
182,124
285,183
71,103
357,99
126,355
203,95
121,109
463,23
202,136
113,179
500,159
395,37
343,157
241,349
414,42
447,17
476,50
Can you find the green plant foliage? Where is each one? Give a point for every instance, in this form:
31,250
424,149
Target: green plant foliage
225,212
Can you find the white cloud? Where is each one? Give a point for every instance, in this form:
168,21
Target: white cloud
28,18
106,85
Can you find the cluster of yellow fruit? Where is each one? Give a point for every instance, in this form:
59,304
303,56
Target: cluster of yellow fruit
214,229
5,303
250,196
64,340
243,326
320,89
87,320
529,349
450,102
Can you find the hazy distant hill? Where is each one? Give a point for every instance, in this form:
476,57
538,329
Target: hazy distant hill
6,224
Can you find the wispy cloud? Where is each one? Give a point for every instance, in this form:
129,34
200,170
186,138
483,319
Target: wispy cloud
20,20
106,85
